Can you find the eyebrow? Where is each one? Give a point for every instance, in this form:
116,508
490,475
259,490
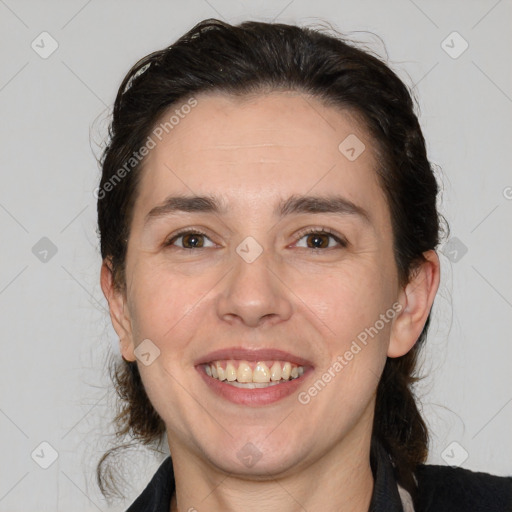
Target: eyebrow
293,205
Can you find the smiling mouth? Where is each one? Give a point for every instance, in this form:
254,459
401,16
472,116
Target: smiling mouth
251,374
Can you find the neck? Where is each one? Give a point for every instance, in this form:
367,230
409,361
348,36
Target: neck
341,480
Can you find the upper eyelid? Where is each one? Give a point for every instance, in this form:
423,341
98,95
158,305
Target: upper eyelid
319,229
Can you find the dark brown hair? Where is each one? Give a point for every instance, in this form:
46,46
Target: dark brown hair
256,57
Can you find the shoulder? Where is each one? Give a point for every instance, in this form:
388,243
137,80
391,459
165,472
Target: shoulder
444,488
156,497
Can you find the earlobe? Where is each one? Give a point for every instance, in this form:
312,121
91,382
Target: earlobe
118,311
416,299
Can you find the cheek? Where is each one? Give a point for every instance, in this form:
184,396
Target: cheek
349,304
356,338
160,300
347,299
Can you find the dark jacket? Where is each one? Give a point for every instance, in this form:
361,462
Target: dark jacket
440,489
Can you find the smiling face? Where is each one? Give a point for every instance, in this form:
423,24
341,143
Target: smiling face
289,252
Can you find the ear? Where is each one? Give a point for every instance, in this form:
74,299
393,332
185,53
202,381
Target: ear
118,311
416,299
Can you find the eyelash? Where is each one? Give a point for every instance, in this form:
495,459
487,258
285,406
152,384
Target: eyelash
319,231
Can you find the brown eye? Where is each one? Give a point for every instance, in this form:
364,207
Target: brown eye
189,240
318,241
321,239
193,240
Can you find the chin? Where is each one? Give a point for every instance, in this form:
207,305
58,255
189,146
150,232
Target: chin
263,459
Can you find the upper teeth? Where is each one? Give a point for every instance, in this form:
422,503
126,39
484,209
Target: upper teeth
262,372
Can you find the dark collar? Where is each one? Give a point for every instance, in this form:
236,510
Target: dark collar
385,497
156,497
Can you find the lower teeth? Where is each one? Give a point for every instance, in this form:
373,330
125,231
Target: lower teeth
253,385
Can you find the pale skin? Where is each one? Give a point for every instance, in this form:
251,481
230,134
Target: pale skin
252,153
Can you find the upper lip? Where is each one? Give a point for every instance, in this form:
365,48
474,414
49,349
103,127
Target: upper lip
244,354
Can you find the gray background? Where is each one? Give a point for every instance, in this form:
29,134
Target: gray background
55,330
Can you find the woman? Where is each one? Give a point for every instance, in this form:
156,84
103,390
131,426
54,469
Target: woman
268,229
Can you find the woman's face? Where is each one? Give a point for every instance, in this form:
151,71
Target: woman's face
294,265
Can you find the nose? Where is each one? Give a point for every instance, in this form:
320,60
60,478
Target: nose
254,293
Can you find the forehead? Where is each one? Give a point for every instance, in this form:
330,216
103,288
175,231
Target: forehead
280,122
260,148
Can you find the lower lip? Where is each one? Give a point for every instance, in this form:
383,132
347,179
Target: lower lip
254,397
